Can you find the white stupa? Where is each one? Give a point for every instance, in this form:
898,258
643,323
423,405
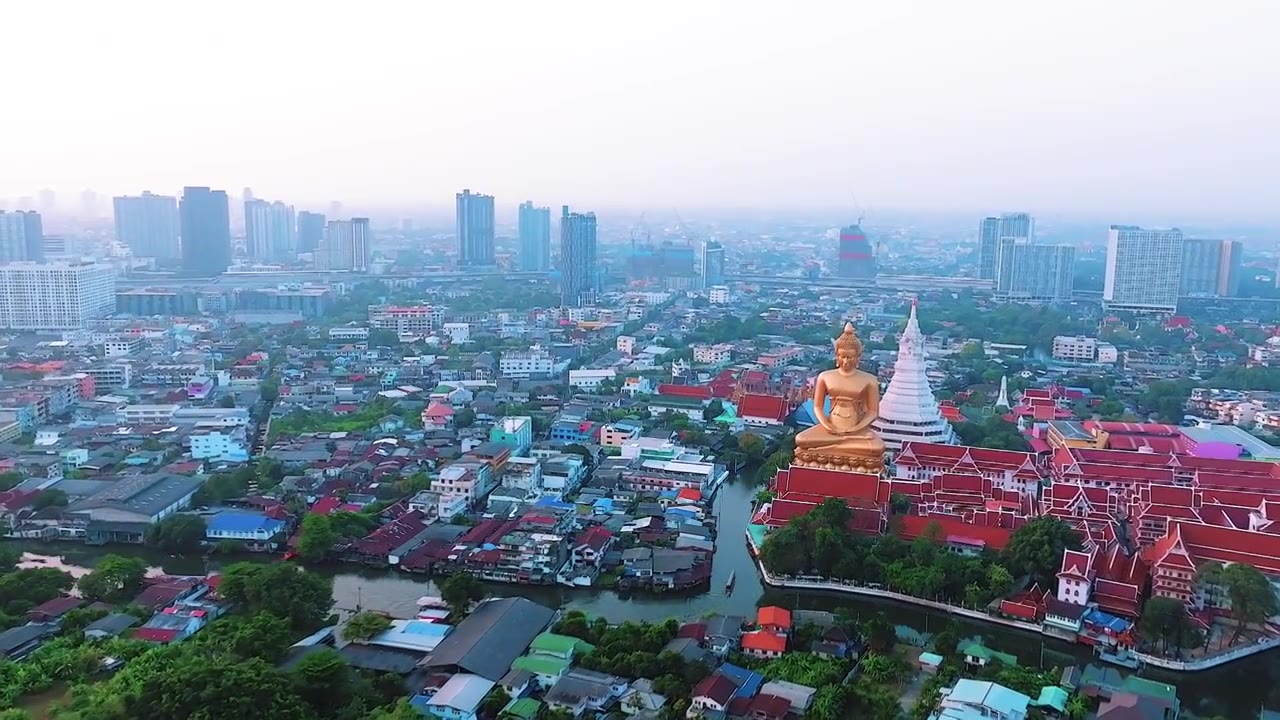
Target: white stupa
908,410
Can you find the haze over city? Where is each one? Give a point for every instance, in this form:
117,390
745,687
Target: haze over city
1147,110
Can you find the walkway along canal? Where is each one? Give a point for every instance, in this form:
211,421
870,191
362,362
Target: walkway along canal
1213,692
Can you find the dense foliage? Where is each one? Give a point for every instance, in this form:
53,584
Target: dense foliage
300,597
820,543
178,534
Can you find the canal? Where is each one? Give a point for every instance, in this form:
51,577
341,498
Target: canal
1205,694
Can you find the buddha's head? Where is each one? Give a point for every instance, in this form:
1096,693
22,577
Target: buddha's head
848,349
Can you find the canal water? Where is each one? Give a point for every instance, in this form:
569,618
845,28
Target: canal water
1235,691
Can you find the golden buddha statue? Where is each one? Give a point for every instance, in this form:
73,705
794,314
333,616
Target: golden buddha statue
843,438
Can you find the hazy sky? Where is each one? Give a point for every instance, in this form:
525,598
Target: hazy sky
1110,106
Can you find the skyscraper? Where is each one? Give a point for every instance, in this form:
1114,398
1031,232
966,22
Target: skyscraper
310,231
1030,272
346,246
148,224
475,229
577,258
535,237
1210,267
991,230
21,236
1144,269
856,257
206,231
270,234
712,264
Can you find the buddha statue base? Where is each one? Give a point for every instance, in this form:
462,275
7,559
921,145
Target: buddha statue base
842,462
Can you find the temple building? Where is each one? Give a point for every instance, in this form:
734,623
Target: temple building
909,412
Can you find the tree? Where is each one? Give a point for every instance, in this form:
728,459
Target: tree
181,533
264,635
364,625
317,538
1253,599
464,418
713,410
115,579
323,680
1164,618
947,641
751,444
879,633
11,479
494,702
207,687
460,590
1036,549
227,400
302,598
50,498
269,390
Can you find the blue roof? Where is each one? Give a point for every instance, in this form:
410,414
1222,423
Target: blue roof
422,627
748,681
550,502
1107,620
243,522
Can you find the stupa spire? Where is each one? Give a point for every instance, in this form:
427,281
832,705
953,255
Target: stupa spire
908,410
1003,400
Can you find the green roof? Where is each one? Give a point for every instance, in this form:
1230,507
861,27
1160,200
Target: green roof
982,652
554,644
1150,688
524,708
541,665
1054,697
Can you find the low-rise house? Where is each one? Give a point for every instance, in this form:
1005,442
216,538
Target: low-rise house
975,699
110,626
723,633
642,699
764,644
255,530
19,642
774,619
713,694
459,699
53,610
581,690
800,697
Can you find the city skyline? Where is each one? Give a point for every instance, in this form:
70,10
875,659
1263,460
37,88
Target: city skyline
768,116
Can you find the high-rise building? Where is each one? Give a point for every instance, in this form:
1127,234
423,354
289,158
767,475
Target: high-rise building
269,231
148,224
990,232
310,231
577,258
1027,271
206,231
1210,267
1144,269
535,237
21,236
475,229
346,246
712,264
909,411
55,296
857,260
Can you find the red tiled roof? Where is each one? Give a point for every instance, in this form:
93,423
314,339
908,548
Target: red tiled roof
693,630
326,505
1127,428
392,535
1169,550
595,538
716,687
1154,444
700,392
764,641
1229,545
768,707
1076,564
1025,611
156,635
994,538
772,615
827,483
771,407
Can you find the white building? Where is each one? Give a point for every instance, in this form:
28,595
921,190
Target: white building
1075,348
718,295
349,333
1144,269
270,230
230,445
410,320
908,410
591,378
981,700
146,414
346,246
458,332
55,296
121,346
1027,271
713,354
625,344
525,364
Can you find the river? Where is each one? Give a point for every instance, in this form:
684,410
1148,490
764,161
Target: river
1206,694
